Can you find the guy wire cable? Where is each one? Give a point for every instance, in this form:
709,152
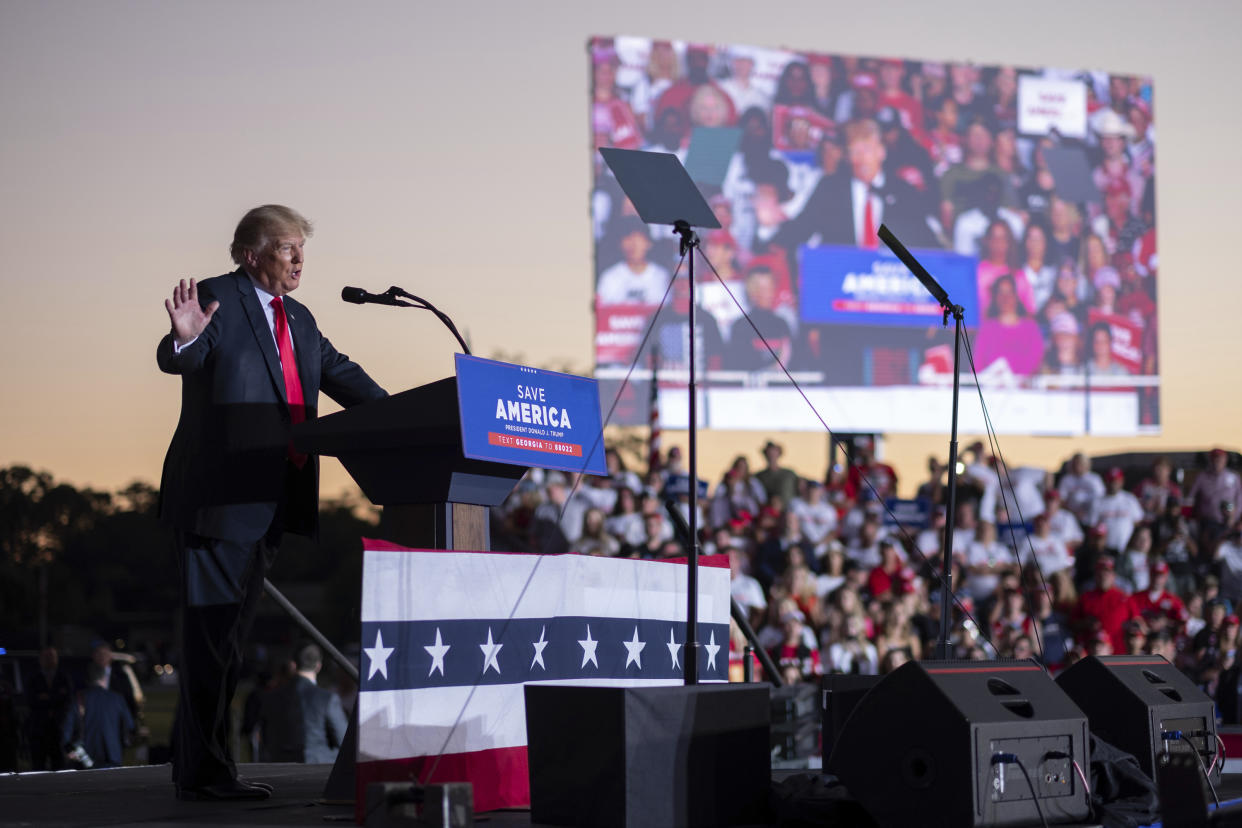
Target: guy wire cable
539,558
905,535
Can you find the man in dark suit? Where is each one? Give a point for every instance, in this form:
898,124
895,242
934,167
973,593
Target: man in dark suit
252,363
301,721
849,207
322,715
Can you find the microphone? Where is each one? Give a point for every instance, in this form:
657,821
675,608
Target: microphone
360,297
396,296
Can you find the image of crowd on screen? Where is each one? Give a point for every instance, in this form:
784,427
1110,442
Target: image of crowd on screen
832,146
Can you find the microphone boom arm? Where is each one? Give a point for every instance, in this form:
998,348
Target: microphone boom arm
419,302
396,296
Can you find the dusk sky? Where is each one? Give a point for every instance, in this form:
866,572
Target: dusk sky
445,148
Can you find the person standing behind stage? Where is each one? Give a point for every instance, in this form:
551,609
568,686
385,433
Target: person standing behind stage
252,362
49,693
323,718
100,720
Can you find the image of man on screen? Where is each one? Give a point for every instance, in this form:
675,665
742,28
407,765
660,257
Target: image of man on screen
849,209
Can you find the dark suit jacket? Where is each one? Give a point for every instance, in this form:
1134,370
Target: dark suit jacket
226,469
102,725
301,722
323,720
830,212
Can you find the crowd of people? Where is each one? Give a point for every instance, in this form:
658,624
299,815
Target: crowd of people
1062,225
92,715
1052,564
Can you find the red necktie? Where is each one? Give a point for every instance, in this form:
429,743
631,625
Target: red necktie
289,366
869,239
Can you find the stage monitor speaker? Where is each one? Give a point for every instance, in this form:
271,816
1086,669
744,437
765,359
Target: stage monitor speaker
1145,706
938,744
839,694
633,757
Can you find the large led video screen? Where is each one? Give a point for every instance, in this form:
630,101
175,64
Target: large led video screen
1028,193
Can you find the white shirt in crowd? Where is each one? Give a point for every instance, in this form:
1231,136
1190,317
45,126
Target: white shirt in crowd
868,557
1050,554
928,541
1229,553
981,586
1025,498
1079,492
862,658
1063,526
1119,513
817,519
747,592
628,527
618,285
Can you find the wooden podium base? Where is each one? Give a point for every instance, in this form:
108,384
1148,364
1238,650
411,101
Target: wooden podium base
462,526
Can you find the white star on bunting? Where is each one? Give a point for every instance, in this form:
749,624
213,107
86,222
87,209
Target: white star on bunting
712,648
437,652
379,656
673,647
634,650
490,651
588,649
539,645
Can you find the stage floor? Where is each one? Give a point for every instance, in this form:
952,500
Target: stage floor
143,796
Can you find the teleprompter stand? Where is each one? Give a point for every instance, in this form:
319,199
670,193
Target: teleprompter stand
663,193
637,756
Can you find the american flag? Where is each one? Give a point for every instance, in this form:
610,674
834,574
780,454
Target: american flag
653,443
450,638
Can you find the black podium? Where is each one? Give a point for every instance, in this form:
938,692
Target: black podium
405,453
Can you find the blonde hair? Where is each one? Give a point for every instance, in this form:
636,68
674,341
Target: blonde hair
255,230
863,129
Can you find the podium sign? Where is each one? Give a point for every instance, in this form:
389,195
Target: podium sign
529,417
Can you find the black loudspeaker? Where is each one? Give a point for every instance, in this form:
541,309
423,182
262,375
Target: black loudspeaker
648,756
938,744
1145,706
839,694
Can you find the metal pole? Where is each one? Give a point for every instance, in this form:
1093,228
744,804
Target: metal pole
302,621
689,241
946,565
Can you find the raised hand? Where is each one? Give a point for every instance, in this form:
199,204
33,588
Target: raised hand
189,319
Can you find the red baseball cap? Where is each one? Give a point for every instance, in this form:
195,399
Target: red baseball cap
1116,473
1106,562
1052,494
1232,620
1159,568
